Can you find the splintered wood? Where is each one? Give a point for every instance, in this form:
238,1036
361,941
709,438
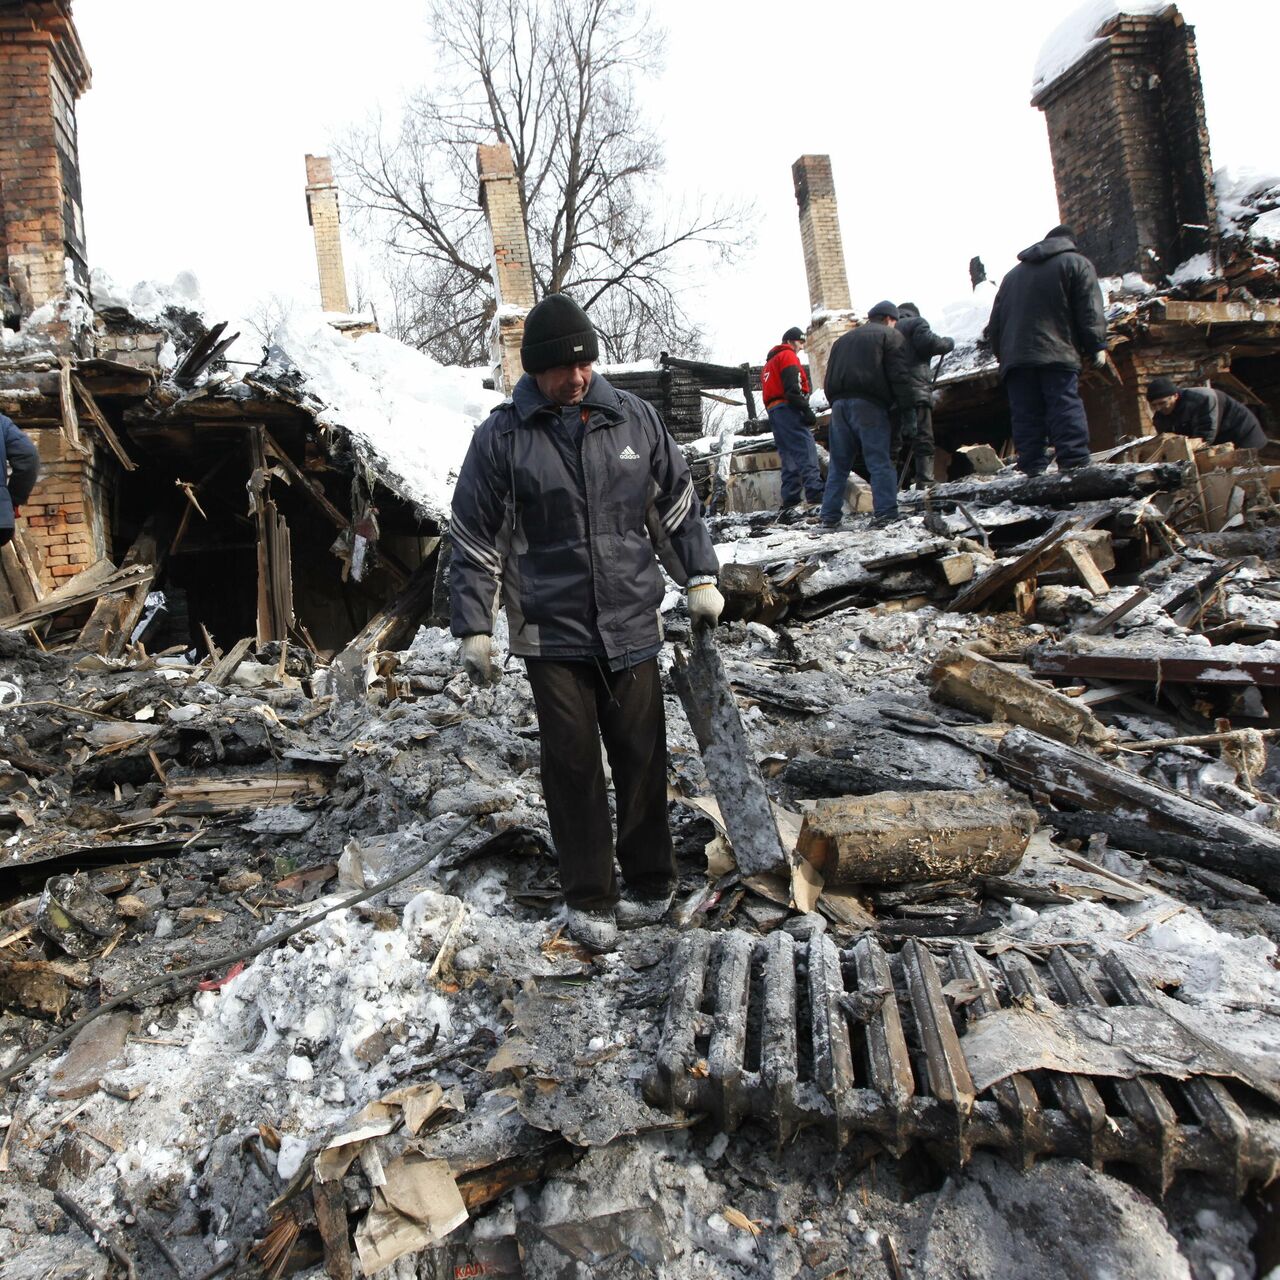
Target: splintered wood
965,679
894,837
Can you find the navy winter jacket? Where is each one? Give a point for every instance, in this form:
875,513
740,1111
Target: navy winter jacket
870,363
1048,309
559,525
19,469
1215,417
922,345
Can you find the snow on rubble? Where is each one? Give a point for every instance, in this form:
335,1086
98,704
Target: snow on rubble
412,418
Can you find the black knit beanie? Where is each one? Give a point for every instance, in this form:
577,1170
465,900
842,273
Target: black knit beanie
883,310
1161,387
794,334
557,331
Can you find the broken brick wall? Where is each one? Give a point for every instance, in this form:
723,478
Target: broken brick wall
323,215
42,73
1130,148
66,517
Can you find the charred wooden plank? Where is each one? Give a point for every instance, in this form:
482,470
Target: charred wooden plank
1078,779
704,689
1184,666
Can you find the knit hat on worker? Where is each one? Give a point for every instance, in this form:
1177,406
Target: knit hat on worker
886,309
1161,387
793,334
557,331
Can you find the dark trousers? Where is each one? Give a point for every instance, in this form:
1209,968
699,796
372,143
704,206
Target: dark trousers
6,536
579,703
800,474
922,437
1045,407
860,433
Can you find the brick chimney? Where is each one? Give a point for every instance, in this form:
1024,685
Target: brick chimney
823,259
1131,148
43,70
512,263
322,214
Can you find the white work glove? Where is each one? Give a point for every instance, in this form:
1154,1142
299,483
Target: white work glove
1100,359
477,658
706,604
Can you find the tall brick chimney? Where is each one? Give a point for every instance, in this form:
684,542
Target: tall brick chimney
512,262
322,214
1131,148
43,70
823,259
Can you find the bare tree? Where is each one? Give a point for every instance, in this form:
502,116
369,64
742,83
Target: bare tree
269,316
553,80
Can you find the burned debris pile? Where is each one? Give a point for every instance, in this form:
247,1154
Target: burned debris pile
977,843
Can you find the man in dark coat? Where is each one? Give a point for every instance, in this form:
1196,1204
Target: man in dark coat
1205,412
550,509
19,470
784,386
1047,312
868,375
922,345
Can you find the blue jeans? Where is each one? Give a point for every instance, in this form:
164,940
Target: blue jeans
800,473
1045,408
860,432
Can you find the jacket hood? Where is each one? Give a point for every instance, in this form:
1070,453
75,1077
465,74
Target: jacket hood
908,310
528,400
773,351
1048,248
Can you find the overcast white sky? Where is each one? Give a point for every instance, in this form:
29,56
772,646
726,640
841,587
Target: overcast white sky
193,134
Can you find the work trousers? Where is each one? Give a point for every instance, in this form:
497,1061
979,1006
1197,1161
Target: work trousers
921,440
579,703
801,476
860,433
1045,408
6,536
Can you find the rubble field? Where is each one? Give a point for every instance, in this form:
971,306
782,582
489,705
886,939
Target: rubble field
285,989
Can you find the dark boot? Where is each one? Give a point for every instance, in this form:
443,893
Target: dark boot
924,471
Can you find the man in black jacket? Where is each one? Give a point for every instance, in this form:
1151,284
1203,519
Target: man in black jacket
868,375
922,345
1048,310
1205,412
19,469
550,508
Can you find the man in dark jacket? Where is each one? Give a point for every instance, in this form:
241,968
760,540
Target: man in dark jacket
784,386
1048,310
19,469
868,375
922,345
550,509
1205,412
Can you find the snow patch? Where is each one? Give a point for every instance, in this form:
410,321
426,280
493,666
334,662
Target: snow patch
1199,267
1078,36
411,418
148,299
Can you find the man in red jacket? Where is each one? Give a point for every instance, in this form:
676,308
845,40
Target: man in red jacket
784,385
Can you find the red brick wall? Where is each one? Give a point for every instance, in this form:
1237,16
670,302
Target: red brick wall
56,515
41,71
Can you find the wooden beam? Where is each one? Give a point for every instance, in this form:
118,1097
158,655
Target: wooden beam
99,420
1002,577
91,583
67,406
275,572
1208,313
115,615
309,491
1185,666
225,666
